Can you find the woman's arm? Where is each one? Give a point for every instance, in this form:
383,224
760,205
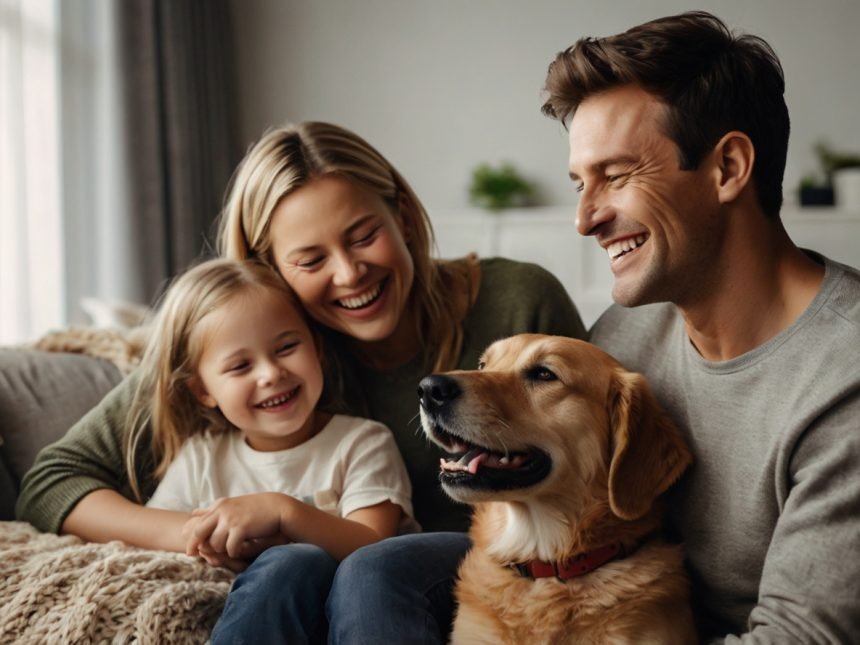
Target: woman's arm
88,458
78,485
105,515
230,522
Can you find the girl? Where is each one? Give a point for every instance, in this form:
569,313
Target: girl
230,384
352,239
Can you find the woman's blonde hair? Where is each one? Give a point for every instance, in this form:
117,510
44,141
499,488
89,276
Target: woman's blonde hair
164,400
288,158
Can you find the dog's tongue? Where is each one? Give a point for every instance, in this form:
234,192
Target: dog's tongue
475,458
472,460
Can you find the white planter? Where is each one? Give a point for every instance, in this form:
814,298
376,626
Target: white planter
846,189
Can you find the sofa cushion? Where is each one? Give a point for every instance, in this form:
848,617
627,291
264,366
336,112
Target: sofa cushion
42,394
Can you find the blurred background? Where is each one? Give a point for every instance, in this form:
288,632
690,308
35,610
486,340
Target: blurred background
121,122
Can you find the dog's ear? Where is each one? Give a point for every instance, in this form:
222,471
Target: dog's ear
648,451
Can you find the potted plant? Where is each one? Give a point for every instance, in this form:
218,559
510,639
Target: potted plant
843,172
814,192
499,188
833,161
819,190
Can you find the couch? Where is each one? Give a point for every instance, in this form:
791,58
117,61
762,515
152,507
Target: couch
42,394
58,588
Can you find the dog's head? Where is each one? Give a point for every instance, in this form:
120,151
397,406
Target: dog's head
551,417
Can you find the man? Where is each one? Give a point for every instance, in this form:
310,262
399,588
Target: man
678,134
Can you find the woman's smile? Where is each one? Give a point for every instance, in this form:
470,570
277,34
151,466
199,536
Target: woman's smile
342,249
364,299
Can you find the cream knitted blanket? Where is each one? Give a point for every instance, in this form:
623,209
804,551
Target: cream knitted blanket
59,589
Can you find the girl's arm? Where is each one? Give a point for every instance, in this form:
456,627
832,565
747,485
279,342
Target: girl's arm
230,522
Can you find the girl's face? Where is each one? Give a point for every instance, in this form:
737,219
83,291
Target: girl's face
343,251
260,367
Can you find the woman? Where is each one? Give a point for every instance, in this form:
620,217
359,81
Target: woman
351,238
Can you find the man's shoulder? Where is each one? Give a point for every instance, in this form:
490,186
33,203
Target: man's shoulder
620,329
844,296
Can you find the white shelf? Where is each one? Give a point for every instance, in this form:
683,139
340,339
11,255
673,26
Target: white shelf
830,231
547,236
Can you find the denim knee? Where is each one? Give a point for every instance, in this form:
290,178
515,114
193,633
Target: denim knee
279,598
397,590
277,564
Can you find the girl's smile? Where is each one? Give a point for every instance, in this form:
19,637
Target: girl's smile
259,366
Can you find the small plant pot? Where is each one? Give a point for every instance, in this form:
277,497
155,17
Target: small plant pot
816,196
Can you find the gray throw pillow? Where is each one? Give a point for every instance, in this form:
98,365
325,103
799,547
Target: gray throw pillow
42,394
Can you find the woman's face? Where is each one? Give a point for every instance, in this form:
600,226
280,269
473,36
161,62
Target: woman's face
342,250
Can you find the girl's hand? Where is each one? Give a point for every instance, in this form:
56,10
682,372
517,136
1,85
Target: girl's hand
235,525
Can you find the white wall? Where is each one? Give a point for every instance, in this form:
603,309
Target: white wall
439,86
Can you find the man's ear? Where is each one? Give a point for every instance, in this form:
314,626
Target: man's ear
735,156
199,391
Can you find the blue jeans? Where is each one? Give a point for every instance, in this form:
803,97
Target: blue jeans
279,598
394,591
398,590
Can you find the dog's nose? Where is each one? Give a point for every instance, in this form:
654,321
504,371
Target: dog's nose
436,390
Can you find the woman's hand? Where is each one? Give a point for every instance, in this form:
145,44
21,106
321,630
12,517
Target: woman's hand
236,527
250,549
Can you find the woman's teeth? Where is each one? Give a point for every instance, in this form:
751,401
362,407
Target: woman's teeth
362,300
617,249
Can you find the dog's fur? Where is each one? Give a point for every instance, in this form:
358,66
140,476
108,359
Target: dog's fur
589,454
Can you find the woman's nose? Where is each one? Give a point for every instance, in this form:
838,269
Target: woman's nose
348,270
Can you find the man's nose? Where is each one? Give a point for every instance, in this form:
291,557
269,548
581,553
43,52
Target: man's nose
591,213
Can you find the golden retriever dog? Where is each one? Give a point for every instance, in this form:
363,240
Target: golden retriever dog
563,454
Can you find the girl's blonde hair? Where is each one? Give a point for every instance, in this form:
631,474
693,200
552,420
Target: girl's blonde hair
164,400
288,158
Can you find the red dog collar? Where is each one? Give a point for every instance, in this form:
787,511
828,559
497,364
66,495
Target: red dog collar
573,567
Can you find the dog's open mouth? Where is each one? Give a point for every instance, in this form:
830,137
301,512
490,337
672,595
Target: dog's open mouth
477,466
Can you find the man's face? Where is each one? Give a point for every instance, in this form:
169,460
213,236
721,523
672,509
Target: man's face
661,226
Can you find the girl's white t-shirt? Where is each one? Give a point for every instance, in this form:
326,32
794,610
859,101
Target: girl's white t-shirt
350,464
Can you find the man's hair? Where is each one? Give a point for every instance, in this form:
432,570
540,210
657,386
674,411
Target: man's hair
711,82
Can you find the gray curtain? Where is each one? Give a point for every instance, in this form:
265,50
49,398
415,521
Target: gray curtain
176,64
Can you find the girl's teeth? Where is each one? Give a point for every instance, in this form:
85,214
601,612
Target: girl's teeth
278,401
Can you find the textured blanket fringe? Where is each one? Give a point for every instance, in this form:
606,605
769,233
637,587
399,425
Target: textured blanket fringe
59,589
123,348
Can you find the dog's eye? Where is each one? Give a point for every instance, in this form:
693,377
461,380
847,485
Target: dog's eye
481,365
541,373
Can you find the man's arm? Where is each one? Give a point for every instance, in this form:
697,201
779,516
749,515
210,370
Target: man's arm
810,586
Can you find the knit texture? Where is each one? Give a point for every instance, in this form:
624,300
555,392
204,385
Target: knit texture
60,589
